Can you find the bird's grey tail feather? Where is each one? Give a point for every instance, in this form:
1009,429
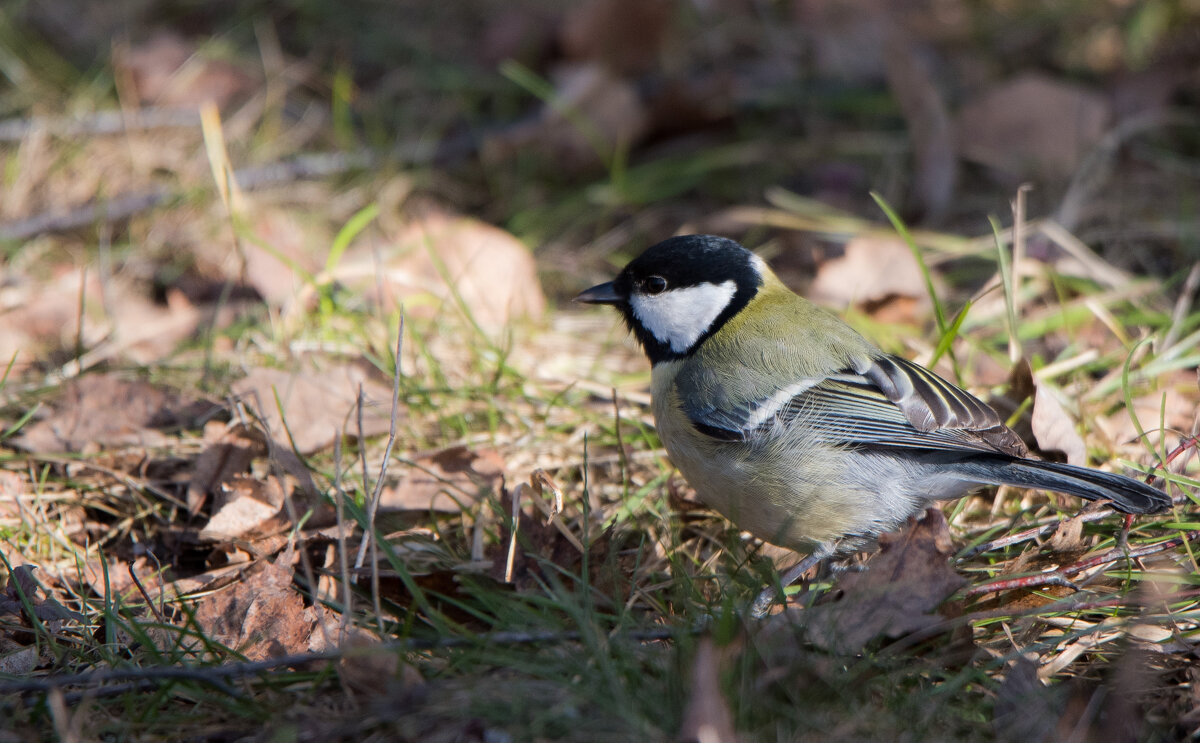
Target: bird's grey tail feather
1127,495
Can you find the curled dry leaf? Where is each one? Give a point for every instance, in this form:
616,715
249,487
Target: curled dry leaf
1068,537
22,587
249,507
231,447
899,592
1054,429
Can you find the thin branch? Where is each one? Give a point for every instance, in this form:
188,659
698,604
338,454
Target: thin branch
212,675
1060,577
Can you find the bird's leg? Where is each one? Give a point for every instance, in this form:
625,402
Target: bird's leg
762,604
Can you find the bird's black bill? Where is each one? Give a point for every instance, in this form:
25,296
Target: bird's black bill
601,294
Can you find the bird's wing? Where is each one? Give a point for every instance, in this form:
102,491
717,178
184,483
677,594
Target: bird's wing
891,402
932,404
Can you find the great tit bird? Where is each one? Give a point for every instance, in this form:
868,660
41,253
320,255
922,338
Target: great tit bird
795,427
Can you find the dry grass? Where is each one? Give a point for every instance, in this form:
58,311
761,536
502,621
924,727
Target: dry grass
504,616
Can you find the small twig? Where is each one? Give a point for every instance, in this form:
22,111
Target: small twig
511,559
1058,607
142,590
1035,532
343,558
101,123
1059,577
212,675
373,508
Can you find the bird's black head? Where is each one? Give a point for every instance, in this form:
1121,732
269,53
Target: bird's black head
681,291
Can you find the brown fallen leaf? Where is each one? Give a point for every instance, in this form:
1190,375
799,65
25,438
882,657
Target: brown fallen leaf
1054,429
1032,126
12,487
262,616
231,449
626,36
286,242
1068,536
443,259
248,507
591,114
445,481
371,672
1172,405
22,587
707,717
310,406
106,411
898,593
870,272
168,70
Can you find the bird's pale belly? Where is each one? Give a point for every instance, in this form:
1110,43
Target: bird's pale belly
772,489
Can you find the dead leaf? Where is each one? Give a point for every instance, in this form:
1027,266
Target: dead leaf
43,315
284,245
1033,126
1068,536
231,448
871,270
119,579
592,113
625,36
108,411
444,259
370,671
262,616
12,487
17,660
446,481
707,718
22,587
896,595
315,404
1171,405
1054,429
167,70
249,505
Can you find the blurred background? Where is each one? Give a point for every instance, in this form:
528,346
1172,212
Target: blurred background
212,213
590,130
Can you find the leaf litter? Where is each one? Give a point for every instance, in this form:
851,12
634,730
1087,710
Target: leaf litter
232,533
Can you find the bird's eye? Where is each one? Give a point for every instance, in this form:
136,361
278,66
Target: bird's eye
654,285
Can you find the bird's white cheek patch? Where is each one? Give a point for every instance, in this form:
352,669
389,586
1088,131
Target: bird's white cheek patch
680,316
